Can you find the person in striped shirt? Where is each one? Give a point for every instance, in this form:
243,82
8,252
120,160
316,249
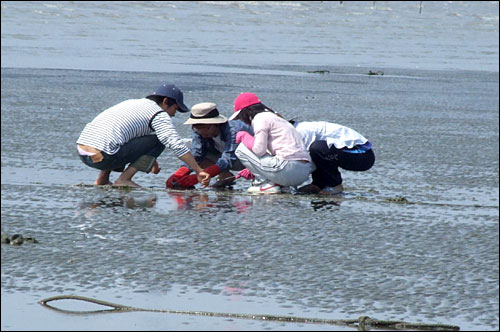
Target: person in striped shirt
134,133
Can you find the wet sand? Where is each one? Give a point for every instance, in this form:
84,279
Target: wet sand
431,259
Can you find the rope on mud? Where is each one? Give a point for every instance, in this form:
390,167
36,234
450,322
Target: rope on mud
362,323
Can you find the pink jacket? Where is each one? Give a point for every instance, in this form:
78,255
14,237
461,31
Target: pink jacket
279,137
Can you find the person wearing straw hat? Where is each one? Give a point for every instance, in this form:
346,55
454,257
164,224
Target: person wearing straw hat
213,145
135,132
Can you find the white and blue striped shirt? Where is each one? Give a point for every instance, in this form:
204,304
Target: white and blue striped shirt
127,120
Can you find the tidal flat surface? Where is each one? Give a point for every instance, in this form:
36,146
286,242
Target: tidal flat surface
433,259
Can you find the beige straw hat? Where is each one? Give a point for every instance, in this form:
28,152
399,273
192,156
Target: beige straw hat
205,113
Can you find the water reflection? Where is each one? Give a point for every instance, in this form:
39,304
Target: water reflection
204,201
324,204
126,201
233,202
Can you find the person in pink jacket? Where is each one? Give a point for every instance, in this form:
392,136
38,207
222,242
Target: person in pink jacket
275,155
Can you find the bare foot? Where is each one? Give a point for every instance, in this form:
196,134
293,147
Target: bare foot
126,183
125,179
96,183
102,178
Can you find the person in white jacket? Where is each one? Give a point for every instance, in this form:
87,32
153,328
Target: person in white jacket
333,146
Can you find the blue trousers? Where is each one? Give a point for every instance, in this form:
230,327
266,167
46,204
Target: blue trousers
328,161
128,153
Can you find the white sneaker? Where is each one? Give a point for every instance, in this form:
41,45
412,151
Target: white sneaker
332,190
265,188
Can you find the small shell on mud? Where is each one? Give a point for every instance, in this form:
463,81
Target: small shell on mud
17,239
398,199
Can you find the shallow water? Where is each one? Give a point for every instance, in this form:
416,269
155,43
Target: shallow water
435,135
200,36
434,260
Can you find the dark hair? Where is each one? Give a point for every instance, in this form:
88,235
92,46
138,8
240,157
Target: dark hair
248,113
159,99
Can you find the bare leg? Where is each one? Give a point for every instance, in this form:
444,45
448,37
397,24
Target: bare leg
102,178
125,179
156,168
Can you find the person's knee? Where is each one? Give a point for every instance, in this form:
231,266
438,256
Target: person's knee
319,151
144,163
239,152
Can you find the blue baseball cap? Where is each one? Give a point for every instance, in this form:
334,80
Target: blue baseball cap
171,91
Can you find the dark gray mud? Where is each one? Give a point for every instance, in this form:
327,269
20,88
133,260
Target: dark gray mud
432,257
